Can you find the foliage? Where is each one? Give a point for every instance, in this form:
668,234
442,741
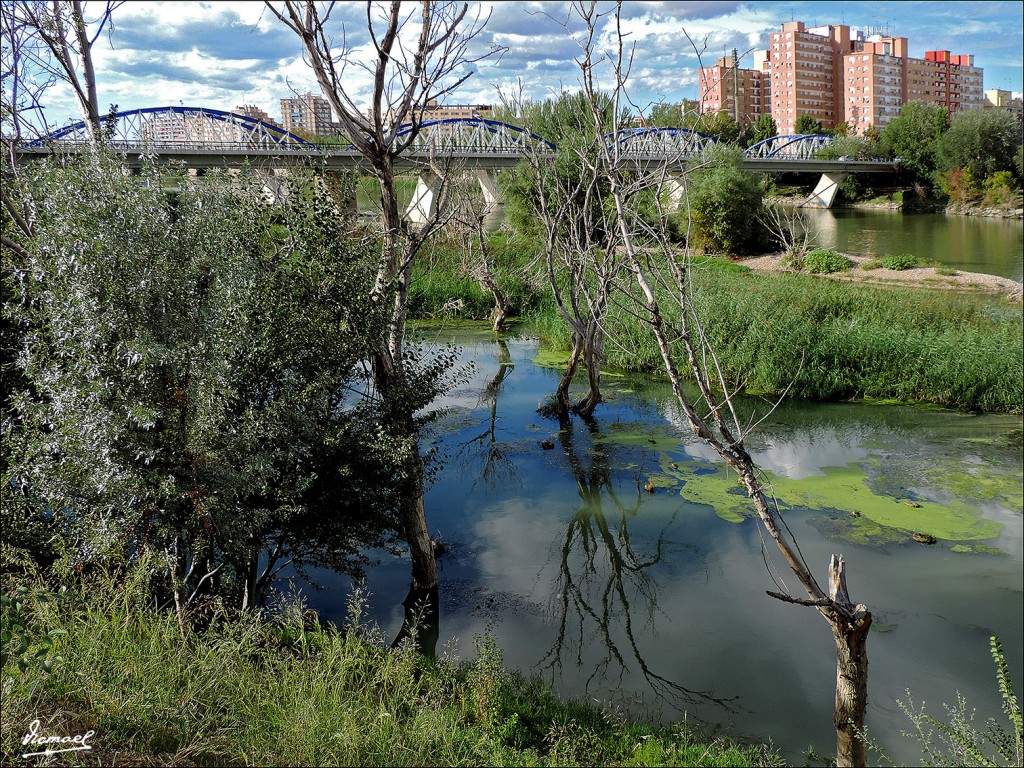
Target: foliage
835,340
725,205
764,128
1000,188
899,261
848,147
291,691
666,115
194,379
958,741
979,141
24,641
823,261
807,124
719,125
913,137
871,264
959,185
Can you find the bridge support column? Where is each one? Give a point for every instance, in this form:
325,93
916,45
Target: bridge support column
825,193
424,199
341,191
492,199
675,186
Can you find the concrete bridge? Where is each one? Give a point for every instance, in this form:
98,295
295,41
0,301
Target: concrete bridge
202,138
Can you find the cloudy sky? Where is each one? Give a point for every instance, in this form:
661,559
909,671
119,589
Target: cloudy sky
222,54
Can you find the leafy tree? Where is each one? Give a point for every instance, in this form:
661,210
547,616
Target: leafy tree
913,137
719,125
980,141
195,387
665,115
764,128
806,124
726,205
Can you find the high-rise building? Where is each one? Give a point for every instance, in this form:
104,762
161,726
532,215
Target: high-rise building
726,87
835,74
307,113
251,110
999,99
804,66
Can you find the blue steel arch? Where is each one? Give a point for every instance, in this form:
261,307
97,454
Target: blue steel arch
626,134
659,142
479,126
804,145
277,135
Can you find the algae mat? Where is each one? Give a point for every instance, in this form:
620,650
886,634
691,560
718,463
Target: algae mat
843,489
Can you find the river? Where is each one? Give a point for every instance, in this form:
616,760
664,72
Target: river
969,243
655,604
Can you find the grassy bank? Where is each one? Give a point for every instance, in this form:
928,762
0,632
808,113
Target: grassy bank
834,341
292,692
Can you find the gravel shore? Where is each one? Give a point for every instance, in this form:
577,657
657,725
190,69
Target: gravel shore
925,277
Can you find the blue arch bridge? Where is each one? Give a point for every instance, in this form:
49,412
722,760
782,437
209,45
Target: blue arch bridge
203,138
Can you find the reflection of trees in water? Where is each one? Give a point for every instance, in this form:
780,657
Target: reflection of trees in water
497,466
603,580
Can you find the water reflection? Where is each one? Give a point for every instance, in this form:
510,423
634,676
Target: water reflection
970,243
604,582
581,574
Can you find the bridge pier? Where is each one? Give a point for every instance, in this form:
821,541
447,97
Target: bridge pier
825,193
675,186
424,199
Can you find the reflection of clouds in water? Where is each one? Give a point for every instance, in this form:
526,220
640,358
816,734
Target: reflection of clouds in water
789,453
516,541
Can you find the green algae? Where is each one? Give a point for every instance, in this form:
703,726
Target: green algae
980,483
630,434
846,489
858,513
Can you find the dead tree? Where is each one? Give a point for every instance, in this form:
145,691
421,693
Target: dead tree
662,274
580,245
54,41
405,79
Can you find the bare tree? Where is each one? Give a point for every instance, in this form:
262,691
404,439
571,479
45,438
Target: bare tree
419,57
789,228
580,242
46,43
663,276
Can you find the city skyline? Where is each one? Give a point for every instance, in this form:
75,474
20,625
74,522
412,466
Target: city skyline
226,54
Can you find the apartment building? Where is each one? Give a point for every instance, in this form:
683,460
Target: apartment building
835,74
188,130
804,66
999,99
738,92
254,112
307,113
435,111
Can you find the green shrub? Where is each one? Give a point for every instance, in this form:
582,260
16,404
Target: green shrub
946,271
872,264
823,262
900,261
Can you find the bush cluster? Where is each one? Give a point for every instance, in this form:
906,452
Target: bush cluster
900,261
823,261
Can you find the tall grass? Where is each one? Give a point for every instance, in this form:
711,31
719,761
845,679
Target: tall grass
838,341
290,691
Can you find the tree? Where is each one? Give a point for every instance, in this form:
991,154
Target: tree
980,141
806,124
720,125
913,137
665,115
724,204
662,278
405,81
764,128
46,43
196,394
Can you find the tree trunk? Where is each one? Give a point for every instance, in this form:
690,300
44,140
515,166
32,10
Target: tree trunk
563,403
851,634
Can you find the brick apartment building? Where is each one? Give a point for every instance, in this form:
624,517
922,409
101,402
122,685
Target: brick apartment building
727,88
836,75
307,113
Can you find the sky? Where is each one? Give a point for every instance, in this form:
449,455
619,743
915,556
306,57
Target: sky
223,54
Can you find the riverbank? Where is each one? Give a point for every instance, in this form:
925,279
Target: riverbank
290,691
869,271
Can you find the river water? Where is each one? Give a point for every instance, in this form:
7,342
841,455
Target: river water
654,603
969,243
